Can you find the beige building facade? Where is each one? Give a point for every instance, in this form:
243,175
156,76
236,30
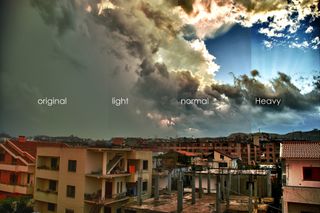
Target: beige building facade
79,180
301,190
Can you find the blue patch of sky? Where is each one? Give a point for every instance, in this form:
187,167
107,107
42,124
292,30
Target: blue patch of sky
241,50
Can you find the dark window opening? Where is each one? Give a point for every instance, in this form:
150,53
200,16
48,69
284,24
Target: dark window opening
51,207
53,185
13,179
145,165
69,211
2,156
54,163
145,186
72,165
311,173
71,191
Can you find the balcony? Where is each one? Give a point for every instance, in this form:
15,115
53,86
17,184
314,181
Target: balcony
47,173
46,195
14,168
114,174
95,198
20,189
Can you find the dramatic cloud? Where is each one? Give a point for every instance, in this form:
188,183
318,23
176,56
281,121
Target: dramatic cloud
154,53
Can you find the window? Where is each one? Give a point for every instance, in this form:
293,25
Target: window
223,165
54,163
145,165
53,185
72,165
1,156
311,173
118,188
14,161
51,207
118,210
121,187
221,157
144,186
13,179
71,191
69,211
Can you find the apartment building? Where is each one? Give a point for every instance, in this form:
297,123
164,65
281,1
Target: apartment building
17,166
82,179
253,150
301,176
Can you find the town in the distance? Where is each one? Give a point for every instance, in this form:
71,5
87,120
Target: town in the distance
256,172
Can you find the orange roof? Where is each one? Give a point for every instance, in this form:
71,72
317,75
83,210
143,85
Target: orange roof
189,154
28,150
301,149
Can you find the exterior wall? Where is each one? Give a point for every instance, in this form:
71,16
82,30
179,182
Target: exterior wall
300,195
89,178
14,166
294,172
63,178
298,208
76,179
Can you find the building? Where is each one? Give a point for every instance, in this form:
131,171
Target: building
301,176
82,179
251,149
17,166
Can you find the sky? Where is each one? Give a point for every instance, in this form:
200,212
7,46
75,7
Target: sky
156,53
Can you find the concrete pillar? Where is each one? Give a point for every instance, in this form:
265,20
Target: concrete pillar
269,189
180,195
222,187
208,182
228,190
104,163
193,201
255,188
218,193
103,189
156,186
139,189
250,206
239,184
169,182
200,185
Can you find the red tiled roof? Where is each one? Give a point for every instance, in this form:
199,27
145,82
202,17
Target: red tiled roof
297,149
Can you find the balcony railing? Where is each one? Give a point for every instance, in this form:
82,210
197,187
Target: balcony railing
47,191
96,197
44,167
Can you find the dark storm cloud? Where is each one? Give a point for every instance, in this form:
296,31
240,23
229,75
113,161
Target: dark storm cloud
59,14
249,88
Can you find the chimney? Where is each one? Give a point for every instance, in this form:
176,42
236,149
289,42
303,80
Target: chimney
22,139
